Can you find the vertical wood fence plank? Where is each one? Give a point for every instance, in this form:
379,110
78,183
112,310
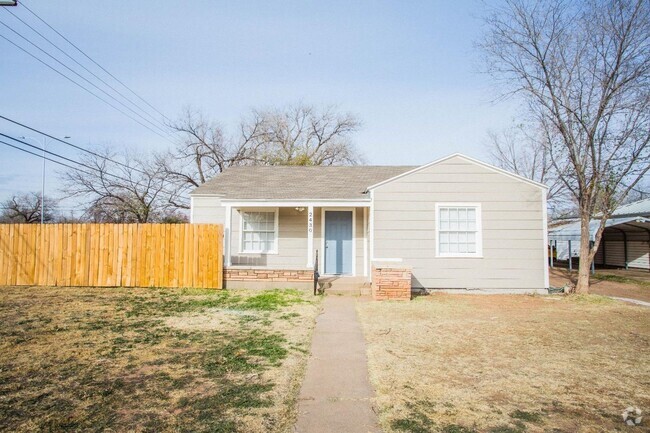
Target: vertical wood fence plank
169,265
4,237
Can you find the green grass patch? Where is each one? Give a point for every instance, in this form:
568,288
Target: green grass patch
417,421
457,428
173,303
272,300
518,427
534,417
121,365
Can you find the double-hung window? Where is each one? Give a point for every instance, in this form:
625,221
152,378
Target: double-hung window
458,230
259,231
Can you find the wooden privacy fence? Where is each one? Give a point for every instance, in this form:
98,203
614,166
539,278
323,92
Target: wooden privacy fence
108,255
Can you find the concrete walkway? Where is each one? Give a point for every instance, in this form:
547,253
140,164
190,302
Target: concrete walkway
632,301
336,395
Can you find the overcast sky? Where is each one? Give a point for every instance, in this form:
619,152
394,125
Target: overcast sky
408,70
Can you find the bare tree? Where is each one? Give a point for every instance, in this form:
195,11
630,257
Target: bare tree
521,149
26,208
132,192
583,69
640,192
303,135
203,152
297,135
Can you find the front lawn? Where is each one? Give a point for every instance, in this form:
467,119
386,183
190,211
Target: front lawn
508,364
151,360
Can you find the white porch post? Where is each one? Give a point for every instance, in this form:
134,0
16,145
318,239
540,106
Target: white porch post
310,237
227,237
365,241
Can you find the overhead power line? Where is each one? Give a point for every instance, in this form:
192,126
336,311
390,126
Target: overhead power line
65,53
60,156
84,88
93,61
71,145
83,78
170,195
55,161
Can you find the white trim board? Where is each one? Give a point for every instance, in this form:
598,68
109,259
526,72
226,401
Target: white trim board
227,237
310,236
545,238
365,241
467,158
297,203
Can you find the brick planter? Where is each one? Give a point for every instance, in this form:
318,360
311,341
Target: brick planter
392,282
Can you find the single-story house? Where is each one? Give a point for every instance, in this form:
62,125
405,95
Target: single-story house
455,223
625,242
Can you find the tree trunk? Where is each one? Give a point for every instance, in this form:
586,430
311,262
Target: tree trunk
584,265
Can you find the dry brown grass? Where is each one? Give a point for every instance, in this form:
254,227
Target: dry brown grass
507,364
151,359
608,282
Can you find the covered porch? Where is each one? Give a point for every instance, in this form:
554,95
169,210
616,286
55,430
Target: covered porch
267,243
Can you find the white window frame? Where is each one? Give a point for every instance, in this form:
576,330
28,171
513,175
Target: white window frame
479,230
275,226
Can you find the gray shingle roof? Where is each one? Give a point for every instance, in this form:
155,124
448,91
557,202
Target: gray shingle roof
297,182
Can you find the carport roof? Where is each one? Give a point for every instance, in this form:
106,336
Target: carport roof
571,231
637,208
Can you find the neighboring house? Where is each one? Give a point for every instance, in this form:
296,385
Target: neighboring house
457,222
625,242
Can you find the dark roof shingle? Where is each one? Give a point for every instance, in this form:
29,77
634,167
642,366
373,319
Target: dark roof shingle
297,182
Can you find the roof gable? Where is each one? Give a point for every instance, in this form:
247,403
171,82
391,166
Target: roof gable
466,158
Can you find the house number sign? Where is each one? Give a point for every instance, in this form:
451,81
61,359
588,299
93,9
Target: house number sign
310,222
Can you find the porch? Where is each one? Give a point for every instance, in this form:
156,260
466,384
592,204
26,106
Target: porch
270,243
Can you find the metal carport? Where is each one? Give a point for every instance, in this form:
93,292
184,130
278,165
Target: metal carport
625,242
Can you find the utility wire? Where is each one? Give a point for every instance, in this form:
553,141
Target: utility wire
85,79
70,144
93,61
162,189
60,156
54,160
77,84
84,88
84,67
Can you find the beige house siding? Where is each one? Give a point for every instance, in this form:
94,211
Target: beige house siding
208,210
404,219
292,241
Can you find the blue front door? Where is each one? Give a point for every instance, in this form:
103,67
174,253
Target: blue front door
338,242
